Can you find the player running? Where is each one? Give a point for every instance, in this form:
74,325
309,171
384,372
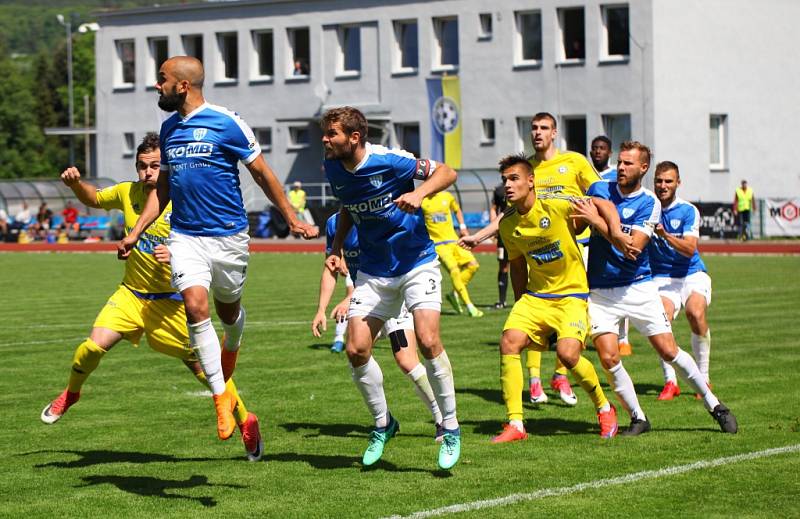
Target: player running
678,271
459,262
622,287
397,265
202,145
144,303
550,290
399,330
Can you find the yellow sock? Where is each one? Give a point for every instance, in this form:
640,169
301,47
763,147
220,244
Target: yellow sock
86,358
241,411
467,273
586,376
534,363
561,369
511,381
459,286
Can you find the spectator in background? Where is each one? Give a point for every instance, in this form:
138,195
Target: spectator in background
300,68
43,220
3,224
297,199
744,203
70,216
23,217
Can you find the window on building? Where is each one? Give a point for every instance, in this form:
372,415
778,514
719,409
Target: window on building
125,69
300,47
487,131
446,45
406,56
573,34
159,53
408,137
350,50
228,62
524,135
617,127
128,144
264,137
299,136
718,141
263,58
193,45
615,39
573,134
378,131
485,26
528,38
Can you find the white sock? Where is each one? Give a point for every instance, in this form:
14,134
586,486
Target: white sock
440,376
205,343
341,328
233,332
517,424
423,389
669,372
623,387
623,330
701,349
688,370
369,380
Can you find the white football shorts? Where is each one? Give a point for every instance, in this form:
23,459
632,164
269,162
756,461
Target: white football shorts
639,302
217,263
383,297
403,321
678,290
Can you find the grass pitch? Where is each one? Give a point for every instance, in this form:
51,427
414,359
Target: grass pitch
142,441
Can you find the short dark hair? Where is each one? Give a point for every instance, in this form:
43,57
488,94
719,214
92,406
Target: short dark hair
149,143
351,119
602,138
545,115
512,160
666,165
644,151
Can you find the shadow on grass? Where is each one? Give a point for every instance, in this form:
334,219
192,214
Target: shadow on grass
314,430
490,395
100,457
326,462
320,346
538,427
154,487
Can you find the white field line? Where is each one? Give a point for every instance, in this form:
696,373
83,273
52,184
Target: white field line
580,487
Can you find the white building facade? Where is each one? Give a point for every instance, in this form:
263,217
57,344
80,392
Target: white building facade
708,84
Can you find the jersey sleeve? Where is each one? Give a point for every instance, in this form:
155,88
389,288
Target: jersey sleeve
241,141
600,190
691,222
586,174
647,217
110,197
330,233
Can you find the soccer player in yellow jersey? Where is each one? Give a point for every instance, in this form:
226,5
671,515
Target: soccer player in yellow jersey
459,262
145,302
550,290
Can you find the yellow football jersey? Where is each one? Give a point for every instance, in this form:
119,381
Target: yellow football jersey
546,237
438,218
143,272
567,173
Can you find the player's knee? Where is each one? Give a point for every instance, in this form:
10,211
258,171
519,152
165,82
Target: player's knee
568,358
608,358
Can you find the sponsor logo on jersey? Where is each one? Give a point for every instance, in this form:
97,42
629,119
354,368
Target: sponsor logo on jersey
193,149
376,180
199,133
373,204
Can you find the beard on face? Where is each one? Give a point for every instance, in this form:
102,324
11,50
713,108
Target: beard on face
171,102
346,152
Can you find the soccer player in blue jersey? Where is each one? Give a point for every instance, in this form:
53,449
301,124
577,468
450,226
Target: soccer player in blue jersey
622,287
201,146
678,271
399,330
397,265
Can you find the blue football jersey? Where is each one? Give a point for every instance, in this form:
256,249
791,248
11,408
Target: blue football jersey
350,247
638,211
609,174
201,152
681,219
392,242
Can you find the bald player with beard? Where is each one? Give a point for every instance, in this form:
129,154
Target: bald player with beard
201,146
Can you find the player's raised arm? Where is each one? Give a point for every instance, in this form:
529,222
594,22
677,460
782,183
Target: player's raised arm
157,201
441,178
268,182
85,192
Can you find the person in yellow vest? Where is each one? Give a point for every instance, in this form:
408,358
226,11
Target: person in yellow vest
145,303
459,263
744,203
297,199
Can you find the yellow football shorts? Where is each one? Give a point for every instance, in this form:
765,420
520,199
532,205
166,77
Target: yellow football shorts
162,321
540,318
452,256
